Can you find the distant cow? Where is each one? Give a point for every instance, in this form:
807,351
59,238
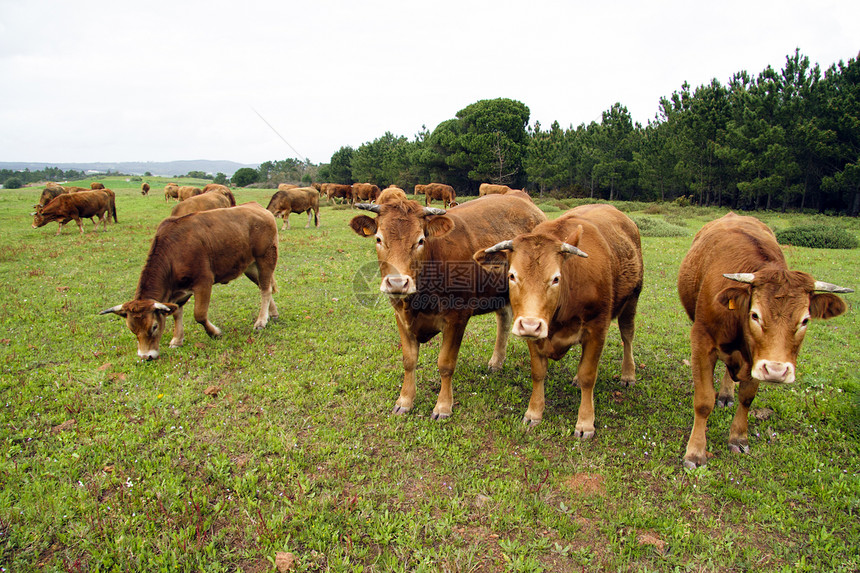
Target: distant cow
569,278
287,186
419,190
364,192
748,310
203,202
222,190
337,191
490,189
425,259
171,191
95,185
299,200
144,189
186,191
48,193
440,192
75,206
187,256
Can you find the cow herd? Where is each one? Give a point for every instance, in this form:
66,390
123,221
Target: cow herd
554,284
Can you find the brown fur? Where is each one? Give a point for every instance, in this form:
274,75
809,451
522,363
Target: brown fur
49,193
440,192
364,192
187,256
490,189
186,191
171,191
222,190
144,189
726,315
203,202
299,200
560,299
97,185
434,285
74,206
334,191
287,186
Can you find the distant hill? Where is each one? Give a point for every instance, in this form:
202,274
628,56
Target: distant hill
166,168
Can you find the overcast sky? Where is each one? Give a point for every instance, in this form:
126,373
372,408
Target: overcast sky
111,80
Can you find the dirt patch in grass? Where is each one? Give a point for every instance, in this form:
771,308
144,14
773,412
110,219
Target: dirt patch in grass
586,485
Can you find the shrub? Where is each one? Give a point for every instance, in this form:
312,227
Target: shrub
13,183
245,176
651,227
818,237
548,208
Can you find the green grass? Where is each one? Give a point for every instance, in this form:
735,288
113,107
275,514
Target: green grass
223,453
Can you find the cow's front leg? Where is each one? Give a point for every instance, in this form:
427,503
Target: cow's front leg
586,374
409,345
504,318
738,439
178,329
539,361
452,337
201,310
704,358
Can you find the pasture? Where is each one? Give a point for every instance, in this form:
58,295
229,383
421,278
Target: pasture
223,454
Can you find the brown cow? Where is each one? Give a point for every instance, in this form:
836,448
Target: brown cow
48,193
287,186
299,200
569,278
440,192
77,206
425,259
56,186
391,194
95,185
144,189
186,191
490,189
203,202
337,191
419,190
748,310
222,190
171,191
364,192
111,200
187,256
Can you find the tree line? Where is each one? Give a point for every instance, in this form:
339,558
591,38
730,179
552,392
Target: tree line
787,139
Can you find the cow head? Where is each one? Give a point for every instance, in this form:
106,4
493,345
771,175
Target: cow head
39,218
402,230
775,307
535,277
145,319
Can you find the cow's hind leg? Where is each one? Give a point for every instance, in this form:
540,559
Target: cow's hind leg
726,396
504,318
261,272
627,327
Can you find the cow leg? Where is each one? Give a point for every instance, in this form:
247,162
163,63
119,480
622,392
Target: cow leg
409,345
80,224
452,338
627,327
201,309
586,374
726,396
178,329
704,359
504,318
60,228
539,361
104,221
317,217
738,439
261,274
286,220
310,216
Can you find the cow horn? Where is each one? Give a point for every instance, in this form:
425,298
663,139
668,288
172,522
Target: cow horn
368,207
741,277
568,248
113,309
160,306
822,286
434,211
503,246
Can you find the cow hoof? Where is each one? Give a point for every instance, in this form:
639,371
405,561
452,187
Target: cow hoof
399,410
493,368
259,326
440,416
628,382
725,401
531,423
585,435
691,465
739,448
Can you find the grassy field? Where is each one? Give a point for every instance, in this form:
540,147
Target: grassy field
224,453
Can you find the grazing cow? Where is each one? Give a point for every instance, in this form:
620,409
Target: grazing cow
569,278
440,192
94,186
48,193
337,191
186,191
77,206
144,189
299,200
171,191
52,185
190,254
203,202
419,190
364,192
490,189
425,259
222,190
74,189
748,310
287,186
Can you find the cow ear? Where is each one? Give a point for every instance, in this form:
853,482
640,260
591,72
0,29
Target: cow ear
166,308
826,305
363,225
734,298
492,261
439,226
575,236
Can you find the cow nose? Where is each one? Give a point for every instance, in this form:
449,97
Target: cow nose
529,327
148,355
773,371
397,285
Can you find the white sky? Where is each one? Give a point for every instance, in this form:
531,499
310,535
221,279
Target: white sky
110,80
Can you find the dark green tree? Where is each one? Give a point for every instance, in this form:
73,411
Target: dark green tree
339,169
245,176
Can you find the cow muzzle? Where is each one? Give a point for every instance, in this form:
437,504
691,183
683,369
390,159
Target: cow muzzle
147,355
773,371
397,286
530,327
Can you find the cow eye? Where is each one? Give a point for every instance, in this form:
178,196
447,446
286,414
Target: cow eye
555,280
754,316
421,242
153,330
512,277
378,240
804,322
